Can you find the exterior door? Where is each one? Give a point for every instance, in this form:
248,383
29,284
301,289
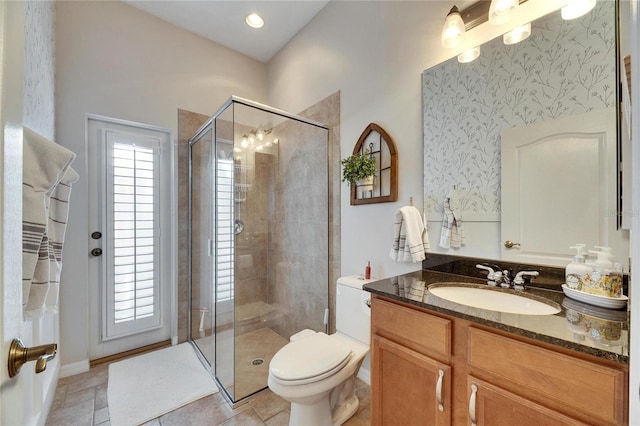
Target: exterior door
130,235
544,162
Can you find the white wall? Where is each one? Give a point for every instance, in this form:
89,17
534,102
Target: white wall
117,61
375,52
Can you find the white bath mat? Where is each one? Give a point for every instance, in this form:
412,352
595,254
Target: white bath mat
150,385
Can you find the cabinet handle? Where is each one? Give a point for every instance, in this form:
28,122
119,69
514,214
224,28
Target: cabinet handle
472,405
439,390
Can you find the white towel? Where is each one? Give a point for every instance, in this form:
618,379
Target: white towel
411,240
57,226
46,164
452,234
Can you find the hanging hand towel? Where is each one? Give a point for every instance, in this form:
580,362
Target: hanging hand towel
45,165
410,238
452,235
57,226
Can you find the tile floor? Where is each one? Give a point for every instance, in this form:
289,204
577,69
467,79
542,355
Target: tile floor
82,400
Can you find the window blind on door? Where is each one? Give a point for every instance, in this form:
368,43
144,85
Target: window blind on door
132,200
225,231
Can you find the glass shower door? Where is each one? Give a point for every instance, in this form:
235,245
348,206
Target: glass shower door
201,223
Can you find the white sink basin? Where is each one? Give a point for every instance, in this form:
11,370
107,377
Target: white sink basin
492,299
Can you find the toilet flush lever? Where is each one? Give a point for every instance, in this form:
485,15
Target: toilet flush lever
19,355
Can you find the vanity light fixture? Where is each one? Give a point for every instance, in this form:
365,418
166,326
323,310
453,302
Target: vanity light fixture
453,29
254,20
500,11
517,34
469,56
576,9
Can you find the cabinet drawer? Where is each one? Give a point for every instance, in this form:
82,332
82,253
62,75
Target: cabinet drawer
581,387
414,329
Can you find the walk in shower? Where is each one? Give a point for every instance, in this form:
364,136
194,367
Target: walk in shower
259,230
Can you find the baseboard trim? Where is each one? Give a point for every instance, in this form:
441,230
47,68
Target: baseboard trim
74,368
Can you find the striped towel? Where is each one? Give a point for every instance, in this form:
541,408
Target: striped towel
47,179
452,234
411,240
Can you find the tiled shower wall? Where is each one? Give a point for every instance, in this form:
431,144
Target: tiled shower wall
264,281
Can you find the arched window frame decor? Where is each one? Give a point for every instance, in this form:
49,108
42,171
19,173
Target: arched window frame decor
386,176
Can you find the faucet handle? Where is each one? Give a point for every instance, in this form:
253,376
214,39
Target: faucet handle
523,277
491,276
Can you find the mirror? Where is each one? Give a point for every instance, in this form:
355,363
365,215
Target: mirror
565,68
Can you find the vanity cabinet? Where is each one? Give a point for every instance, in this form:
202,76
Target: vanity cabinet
411,378
489,377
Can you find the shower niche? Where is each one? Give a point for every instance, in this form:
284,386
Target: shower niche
259,251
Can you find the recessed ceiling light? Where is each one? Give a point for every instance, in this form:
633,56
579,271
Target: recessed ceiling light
254,20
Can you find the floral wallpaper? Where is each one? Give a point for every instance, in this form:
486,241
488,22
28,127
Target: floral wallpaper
39,67
563,68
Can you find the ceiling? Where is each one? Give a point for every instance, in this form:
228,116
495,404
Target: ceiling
223,21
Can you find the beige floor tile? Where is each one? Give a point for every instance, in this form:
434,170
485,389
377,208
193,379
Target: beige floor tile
74,398
204,411
80,414
101,415
280,419
246,418
101,400
267,404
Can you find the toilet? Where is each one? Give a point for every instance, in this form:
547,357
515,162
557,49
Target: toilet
316,372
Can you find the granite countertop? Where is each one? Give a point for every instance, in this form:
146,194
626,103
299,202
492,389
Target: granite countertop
578,326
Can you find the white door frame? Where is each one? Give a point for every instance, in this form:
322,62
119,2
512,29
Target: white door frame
172,200
634,293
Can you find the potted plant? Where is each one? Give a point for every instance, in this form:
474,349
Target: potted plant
359,168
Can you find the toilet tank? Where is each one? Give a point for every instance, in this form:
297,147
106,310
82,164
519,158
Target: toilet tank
353,314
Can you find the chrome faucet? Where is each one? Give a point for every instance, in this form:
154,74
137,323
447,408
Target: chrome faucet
502,277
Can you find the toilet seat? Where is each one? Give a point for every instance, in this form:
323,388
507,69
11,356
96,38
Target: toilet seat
309,359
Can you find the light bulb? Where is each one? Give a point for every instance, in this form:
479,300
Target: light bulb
260,135
500,11
268,144
259,148
276,140
517,34
251,140
453,29
469,56
576,9
254,20
236,149
244,143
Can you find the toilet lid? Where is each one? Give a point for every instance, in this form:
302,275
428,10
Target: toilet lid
309,357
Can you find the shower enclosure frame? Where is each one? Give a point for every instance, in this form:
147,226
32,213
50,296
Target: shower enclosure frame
207,126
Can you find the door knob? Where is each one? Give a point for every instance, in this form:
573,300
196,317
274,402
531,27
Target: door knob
510,244
96,252
19,355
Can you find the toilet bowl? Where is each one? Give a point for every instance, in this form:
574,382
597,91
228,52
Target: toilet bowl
316,372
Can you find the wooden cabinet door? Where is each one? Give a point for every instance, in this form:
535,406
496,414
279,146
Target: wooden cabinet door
408,388
491,405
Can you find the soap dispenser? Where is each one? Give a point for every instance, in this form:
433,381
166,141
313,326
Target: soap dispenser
604,280
577,270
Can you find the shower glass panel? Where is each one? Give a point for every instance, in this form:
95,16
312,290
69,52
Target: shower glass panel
269,231
201,223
